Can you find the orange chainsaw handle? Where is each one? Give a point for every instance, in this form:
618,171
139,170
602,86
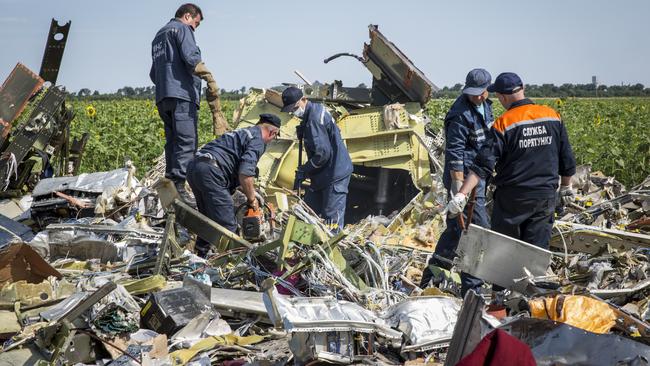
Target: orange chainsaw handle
253,212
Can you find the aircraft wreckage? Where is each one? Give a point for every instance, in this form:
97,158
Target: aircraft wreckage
97,268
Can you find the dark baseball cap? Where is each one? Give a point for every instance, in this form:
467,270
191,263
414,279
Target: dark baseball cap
290,96
477,81
506,83
270,119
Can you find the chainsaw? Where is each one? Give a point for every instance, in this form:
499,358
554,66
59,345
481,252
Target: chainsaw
256,224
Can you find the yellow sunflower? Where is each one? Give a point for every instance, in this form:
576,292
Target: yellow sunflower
91,111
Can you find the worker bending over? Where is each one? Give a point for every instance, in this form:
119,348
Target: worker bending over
224,164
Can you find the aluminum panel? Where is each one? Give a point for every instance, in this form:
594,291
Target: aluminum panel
499,259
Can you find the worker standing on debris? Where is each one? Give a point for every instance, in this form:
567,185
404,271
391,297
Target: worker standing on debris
222,165
530,150
467,125
176,71
329,166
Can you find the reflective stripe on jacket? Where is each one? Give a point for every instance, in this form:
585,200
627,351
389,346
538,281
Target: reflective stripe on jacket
529,149
236,152
466,131
328,158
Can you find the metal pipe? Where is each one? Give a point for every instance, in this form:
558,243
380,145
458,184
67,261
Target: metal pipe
300,75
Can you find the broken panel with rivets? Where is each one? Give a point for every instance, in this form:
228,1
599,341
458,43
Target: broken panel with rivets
15,92
48,119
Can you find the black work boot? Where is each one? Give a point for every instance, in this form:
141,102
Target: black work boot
184,195
427,275
434,276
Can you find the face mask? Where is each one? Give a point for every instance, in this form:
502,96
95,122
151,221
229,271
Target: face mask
299,112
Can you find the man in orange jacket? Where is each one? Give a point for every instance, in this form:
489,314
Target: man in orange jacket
530,151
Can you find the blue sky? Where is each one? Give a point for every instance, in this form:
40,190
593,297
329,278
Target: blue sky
260,43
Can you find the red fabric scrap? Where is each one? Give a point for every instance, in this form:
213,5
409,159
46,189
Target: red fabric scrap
499,349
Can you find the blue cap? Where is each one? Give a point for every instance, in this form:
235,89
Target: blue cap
506,83
270,119
290,96
476,82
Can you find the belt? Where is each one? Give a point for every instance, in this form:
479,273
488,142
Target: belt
208,160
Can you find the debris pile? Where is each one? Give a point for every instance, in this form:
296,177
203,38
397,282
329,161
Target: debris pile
99,268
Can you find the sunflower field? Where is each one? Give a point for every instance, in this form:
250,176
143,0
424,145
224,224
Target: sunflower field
612,134
128,128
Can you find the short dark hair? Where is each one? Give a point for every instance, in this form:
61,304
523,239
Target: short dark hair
189,8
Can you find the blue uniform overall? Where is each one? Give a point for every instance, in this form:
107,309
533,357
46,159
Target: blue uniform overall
328,166
174,55
214,175
529,149
466,131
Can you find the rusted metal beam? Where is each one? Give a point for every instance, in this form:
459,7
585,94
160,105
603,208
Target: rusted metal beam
56,40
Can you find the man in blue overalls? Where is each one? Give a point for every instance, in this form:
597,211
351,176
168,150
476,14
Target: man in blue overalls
467,125
328,165
222,165
176,71
529,149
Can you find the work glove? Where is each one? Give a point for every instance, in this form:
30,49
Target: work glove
300,177
457,204
566,195
219,122
201,71
213,89
455,186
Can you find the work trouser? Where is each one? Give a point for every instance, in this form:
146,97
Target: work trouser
525,218
180,118
213,198
448,242
329,203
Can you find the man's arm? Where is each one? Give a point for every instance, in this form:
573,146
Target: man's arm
152,74
455,144
457,175
316,140
247,165
489,154
470,182
481,168
190,52
247,184
567,166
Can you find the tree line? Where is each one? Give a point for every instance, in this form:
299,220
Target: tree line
145,92
535,91
565,90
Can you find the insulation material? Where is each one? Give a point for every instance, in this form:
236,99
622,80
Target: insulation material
579,311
